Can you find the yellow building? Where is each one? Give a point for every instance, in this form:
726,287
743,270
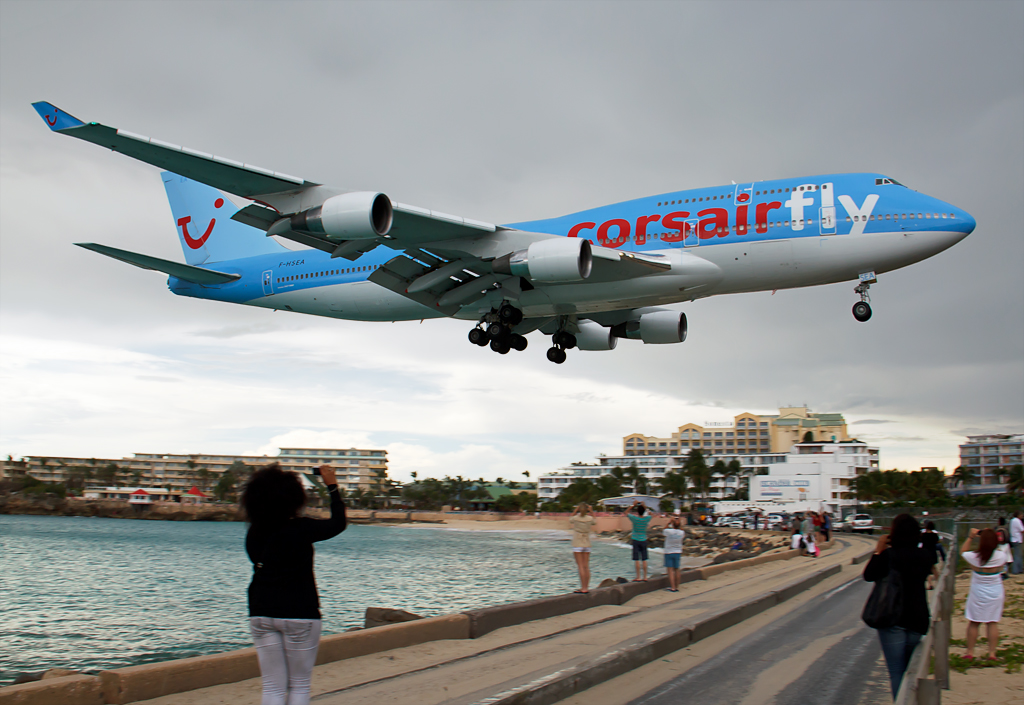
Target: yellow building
749,433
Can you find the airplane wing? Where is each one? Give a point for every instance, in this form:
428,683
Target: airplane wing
441,239
198,275
228,175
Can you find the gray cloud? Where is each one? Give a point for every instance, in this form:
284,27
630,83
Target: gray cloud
506,112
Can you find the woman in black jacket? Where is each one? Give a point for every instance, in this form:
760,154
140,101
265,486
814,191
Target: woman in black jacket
899,550
284,607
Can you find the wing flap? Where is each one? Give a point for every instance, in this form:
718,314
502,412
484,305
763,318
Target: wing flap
197,275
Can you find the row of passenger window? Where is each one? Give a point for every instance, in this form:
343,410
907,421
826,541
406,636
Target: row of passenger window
898,216
328,273
810,187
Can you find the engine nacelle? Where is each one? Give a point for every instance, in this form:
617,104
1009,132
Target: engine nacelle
593,336
661,327
558,260
360,215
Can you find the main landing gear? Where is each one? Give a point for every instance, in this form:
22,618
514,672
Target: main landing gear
495,329
862,309
561,341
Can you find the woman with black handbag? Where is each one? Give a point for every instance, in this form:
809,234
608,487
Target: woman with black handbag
898,606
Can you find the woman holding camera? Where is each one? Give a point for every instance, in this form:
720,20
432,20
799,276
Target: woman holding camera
985,599
284,607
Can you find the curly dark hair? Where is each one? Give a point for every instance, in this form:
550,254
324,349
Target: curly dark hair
273,495
905,532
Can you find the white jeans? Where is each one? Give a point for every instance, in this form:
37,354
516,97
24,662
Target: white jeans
287,652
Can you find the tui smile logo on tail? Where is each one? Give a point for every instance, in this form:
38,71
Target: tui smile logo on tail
196,243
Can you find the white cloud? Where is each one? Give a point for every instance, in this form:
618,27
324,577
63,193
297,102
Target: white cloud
98,358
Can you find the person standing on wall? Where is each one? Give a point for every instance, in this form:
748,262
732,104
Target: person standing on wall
1017,543
899,551
674,535
639,517
582,523
284,606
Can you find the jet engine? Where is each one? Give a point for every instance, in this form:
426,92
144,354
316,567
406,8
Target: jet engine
663,327
360,215
593,336
656,327
560,259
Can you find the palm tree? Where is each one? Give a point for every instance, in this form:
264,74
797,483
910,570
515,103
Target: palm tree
635,478
203,477
963,476
675,485
698,472
1015,479
608,486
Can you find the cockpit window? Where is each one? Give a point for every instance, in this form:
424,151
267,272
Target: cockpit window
887,180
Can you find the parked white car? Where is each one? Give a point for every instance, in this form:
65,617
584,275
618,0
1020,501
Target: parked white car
859,524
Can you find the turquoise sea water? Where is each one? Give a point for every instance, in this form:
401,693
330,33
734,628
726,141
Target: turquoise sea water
92,594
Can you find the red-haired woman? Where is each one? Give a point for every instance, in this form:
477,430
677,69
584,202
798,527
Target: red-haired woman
985,600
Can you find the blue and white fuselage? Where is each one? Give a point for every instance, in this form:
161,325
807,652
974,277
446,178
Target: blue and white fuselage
887,226
588,278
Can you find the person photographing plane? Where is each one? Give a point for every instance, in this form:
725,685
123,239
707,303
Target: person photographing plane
284,606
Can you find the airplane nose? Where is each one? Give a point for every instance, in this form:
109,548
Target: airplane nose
969,223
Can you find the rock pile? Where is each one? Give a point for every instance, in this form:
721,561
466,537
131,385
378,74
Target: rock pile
719,544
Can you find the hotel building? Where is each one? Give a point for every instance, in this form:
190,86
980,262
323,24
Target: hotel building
755,441
988,456
356,468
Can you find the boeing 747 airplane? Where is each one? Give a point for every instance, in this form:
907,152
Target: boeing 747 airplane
586,279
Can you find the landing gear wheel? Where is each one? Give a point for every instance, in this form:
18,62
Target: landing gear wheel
510,315
500,346
518,342
862,311
478,336
564,339
497,331
556,355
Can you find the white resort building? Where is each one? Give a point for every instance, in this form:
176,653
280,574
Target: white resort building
810,476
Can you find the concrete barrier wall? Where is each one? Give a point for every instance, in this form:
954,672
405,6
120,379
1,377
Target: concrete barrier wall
337,647
66,690
486,620
151,680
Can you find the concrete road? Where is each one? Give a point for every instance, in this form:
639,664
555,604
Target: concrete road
819,653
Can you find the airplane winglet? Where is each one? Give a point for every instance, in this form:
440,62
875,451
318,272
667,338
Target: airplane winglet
56,118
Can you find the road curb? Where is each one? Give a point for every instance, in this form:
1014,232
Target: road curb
633,653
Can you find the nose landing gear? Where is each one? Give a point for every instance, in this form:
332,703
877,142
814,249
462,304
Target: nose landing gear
862,309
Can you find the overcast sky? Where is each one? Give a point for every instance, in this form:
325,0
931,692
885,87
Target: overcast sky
503,112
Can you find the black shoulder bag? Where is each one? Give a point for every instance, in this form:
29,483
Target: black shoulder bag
885,605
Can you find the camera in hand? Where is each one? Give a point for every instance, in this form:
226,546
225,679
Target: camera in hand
316,470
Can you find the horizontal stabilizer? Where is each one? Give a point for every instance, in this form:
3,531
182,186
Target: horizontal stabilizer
197,275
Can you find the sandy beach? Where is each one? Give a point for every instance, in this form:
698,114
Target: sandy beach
546,524
980,683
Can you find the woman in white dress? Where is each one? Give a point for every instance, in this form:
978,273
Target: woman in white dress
985,600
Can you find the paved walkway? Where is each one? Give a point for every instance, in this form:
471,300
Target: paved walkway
515,663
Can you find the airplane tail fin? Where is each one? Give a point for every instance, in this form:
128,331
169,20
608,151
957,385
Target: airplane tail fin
202,215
